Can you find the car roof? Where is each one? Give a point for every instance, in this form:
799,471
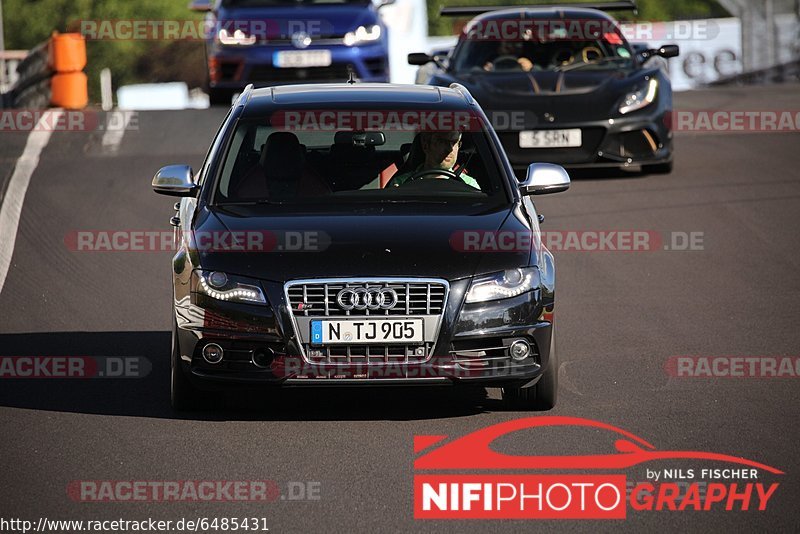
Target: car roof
358,95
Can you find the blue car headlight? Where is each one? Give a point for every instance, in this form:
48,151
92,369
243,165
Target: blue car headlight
503,285
235,38
226,287
639,98
363,34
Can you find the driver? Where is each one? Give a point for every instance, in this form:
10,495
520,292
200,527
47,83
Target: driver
441,152
511,51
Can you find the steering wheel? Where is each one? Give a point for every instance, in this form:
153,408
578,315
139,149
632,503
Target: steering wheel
433,172
591,50
507,62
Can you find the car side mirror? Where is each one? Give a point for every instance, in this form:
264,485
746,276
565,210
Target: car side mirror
544,178
667,51
176,181
419,58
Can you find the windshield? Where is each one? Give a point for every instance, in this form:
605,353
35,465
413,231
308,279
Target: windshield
607,52
269,162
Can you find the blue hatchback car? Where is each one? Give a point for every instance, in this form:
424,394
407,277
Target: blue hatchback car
274,42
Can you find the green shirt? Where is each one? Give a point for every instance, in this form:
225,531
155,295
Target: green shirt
400,179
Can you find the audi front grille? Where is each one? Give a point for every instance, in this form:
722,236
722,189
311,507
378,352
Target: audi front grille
393,297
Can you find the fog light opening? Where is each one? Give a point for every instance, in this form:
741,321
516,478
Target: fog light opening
519,350
262,358
212,353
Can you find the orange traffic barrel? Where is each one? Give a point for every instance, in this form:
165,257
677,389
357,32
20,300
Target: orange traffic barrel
69,90
67,52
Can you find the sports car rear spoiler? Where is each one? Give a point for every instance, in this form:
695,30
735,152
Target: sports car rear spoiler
457,11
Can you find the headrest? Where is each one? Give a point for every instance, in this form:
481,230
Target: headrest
280,145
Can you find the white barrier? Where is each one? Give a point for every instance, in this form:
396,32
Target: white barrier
9,60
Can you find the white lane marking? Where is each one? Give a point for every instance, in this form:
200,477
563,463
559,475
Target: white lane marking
11,209
115,130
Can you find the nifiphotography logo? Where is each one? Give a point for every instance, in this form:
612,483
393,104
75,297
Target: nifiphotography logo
468,478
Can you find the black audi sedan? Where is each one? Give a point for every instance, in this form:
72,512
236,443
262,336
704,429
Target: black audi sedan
360,234
562,84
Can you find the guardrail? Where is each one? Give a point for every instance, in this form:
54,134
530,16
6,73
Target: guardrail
51,73
9,60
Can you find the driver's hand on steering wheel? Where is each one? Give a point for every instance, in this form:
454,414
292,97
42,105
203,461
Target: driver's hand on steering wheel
525,63
445,174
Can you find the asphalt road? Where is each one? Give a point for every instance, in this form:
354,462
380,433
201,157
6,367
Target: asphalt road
621,316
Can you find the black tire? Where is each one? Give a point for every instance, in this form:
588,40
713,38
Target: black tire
183,395
544,394
661,168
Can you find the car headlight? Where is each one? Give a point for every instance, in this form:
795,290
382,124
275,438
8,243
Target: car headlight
640,98
235,38
363,34
222,286
503,285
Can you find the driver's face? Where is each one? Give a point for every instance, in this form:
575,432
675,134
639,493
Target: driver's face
441,149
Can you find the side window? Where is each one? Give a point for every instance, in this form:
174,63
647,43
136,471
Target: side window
213,150
237,150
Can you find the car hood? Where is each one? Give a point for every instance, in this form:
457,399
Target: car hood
393,241
320,20
545,82
571,95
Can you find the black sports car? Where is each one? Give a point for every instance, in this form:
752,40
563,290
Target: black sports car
562,85
312,251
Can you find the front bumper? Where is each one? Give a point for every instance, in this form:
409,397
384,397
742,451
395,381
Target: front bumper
640,139
261,347
234,68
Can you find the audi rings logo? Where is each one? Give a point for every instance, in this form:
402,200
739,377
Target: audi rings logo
362,298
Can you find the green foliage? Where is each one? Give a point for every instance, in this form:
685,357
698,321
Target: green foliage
29,22
652,10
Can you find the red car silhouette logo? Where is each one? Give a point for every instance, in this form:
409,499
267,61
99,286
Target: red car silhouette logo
473,451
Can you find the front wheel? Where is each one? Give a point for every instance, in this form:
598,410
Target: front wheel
183,395
543,395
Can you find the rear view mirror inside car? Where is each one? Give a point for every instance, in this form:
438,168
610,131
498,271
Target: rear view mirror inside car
359,138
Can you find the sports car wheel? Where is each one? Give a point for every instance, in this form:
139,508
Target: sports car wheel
543,395
183,395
